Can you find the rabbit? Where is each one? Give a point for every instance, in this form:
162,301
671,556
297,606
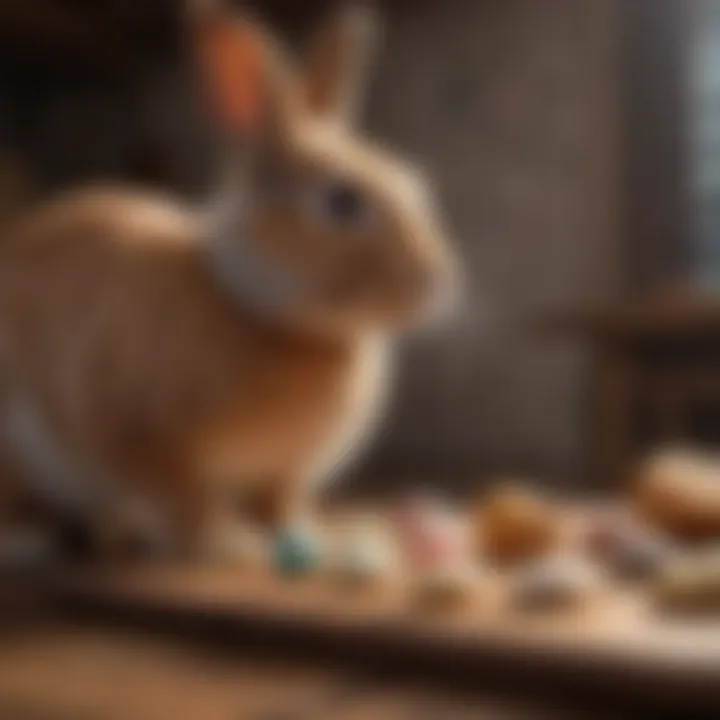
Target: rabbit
165,368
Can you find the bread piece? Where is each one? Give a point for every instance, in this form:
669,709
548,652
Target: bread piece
514,525
679,493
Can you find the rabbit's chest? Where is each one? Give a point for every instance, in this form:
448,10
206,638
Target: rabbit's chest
302,417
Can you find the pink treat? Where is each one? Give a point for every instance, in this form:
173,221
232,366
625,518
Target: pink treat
430,535
607,534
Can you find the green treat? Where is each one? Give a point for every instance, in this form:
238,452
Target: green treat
296,553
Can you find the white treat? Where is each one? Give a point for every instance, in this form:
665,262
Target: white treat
555,582
364,553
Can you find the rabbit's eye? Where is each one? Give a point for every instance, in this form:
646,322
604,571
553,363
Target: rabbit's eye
342,204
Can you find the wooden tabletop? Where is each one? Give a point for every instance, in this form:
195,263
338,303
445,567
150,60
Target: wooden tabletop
613,651
610,652
55,668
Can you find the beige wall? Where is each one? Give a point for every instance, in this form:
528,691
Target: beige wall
512,106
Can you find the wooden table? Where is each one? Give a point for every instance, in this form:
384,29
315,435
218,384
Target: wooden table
59,665
611,655
62,672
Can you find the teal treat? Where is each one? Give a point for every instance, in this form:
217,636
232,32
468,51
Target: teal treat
296,553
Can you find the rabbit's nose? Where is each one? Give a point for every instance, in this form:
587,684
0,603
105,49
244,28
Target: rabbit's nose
419,284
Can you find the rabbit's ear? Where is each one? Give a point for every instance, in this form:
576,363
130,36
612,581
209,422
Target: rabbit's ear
243,71
336,63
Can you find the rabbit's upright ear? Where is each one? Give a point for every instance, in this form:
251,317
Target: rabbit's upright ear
337,61
242,69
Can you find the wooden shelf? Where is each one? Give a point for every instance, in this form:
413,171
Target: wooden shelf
667,316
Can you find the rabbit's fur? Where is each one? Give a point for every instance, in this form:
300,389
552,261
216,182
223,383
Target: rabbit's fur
160,364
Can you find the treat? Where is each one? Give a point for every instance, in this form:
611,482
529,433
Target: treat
365,554
554,583
431,534
514,525
625,546
604,532
444,588
679,493
690,584
641,558
297,552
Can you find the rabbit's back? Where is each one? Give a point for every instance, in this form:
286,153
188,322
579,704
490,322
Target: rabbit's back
108,321
117,335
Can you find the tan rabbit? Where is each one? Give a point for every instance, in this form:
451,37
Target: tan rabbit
165,363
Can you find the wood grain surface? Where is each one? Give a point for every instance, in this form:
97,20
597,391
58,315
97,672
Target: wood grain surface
62,672
611,652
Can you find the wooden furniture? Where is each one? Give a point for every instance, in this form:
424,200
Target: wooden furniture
58,662
190,634
65,672
614,653
611,655
656,376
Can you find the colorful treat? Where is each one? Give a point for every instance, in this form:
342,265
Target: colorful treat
679,493
625,546
641,558
432,536
297,552
555,583
513,525
690,584
365,554
436,545
444,588
605,532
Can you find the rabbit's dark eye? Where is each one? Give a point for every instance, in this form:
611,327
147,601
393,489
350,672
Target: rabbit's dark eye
342,204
